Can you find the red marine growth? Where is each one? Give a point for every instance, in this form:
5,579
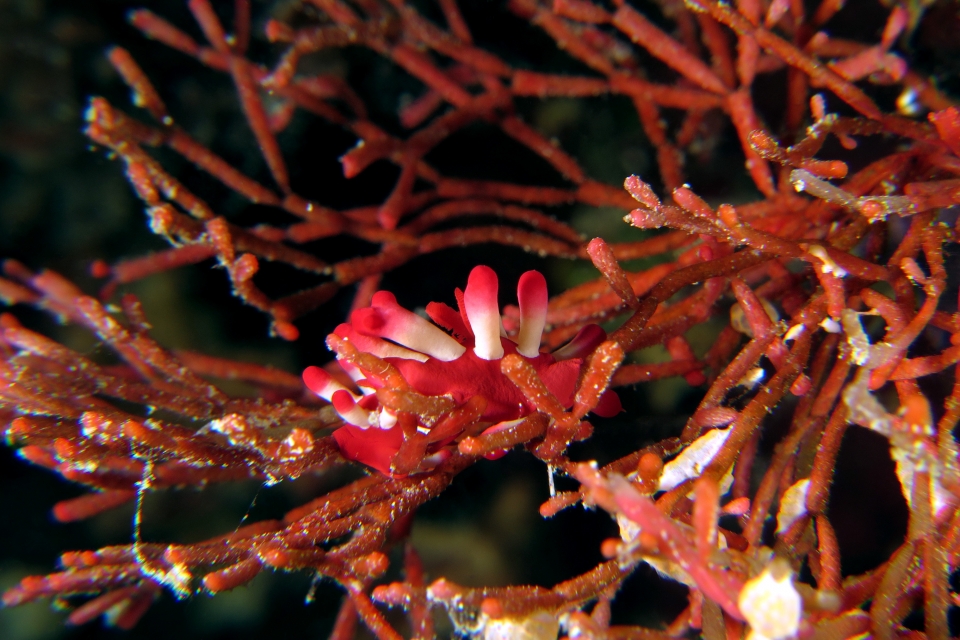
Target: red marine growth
464,367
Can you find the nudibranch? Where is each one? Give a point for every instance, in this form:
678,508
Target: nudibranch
459,365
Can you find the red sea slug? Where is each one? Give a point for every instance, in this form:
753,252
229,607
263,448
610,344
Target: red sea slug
458,366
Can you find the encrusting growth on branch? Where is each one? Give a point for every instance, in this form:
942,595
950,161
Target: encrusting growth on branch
830,299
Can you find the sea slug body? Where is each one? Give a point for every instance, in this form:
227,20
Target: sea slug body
458,366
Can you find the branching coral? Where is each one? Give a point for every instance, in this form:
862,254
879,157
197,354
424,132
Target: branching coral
828,242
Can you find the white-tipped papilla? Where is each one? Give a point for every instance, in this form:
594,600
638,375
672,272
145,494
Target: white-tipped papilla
385,318
351,412
387,419
378,347
322,383
532,296
483,312
500,426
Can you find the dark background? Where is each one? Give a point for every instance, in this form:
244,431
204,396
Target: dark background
64,203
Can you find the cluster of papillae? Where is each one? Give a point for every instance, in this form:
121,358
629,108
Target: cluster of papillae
461,369
791,285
